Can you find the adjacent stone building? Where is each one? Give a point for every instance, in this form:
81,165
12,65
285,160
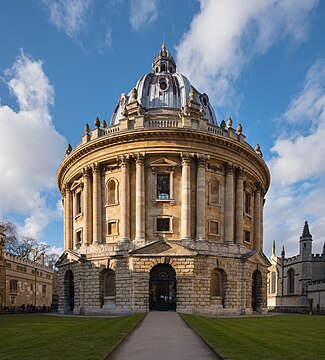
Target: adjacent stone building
297,284
22,281
163,207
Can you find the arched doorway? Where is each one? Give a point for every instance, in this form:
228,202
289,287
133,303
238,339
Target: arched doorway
162,288
257,299
68,291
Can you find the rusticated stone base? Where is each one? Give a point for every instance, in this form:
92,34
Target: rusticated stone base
193,283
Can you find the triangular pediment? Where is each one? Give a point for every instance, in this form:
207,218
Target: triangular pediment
163,162
257,257
76,184
67,257
162,248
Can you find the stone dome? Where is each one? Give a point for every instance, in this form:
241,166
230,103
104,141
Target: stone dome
164,88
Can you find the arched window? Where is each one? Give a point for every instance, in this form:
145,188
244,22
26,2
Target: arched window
291,281
109,287
273,282
112,192
214,192
163,67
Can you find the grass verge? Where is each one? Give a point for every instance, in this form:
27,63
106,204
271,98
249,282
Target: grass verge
43,337
287,337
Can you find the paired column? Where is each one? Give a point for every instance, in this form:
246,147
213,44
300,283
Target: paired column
97,205
124,223
86,238
257,217
239,205
200,197
68,219
186,197
229,203
140,198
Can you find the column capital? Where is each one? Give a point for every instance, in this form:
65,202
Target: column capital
139,158
66,189
229,167
258,187
240,172
186,158
202,160
86,172
96,167
123,160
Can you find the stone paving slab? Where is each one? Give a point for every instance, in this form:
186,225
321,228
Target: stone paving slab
163,335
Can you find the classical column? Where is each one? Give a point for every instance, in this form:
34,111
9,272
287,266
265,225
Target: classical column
239,205
186,197
140,198
229,204
257,217
68,217
86,236
124,221
97,205
262,218
200,197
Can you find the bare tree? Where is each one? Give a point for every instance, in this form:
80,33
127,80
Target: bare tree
23,246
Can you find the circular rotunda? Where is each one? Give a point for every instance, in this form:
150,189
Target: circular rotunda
163,207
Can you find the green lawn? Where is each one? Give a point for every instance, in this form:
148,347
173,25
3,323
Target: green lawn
44,337
283,337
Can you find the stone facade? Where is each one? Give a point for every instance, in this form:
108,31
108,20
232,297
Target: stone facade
163,208
22,281
297,284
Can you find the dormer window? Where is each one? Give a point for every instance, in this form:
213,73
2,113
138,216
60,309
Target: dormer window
163,67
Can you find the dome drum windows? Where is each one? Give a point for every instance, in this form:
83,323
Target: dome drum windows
214,227
112,192
247,237
163,181
163,224
78,237
112,228
214,192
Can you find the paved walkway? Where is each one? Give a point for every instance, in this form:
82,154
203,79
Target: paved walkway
163,335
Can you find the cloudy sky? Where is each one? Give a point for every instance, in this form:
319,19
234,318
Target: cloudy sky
64,62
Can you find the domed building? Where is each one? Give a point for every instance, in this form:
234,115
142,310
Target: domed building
163,207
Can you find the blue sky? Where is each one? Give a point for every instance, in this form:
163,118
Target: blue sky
62,63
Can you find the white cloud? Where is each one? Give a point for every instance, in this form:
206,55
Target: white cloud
226,35
142,13
298,168
68,15
30,147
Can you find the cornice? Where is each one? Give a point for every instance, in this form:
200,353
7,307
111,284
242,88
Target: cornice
223,142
